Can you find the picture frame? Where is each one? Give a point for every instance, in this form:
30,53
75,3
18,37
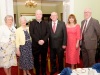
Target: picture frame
29,16
61,16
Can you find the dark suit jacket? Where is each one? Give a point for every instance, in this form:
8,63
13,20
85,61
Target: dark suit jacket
58,38
37,35
91,34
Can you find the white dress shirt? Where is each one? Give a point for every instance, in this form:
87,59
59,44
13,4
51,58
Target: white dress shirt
55,23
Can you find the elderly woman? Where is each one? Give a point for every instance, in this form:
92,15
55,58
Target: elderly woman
7,45
23,45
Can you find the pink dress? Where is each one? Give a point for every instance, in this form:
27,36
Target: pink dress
72,54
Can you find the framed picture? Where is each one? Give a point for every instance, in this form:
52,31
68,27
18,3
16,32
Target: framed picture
29,16
46,17
61,16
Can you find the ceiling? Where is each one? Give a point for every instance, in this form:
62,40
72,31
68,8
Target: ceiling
43,1
35,0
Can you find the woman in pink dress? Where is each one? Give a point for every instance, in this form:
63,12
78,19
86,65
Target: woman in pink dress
72,49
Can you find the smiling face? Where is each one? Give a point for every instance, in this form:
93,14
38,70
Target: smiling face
38,15
9,20
22,21
87,13
72,19
54,16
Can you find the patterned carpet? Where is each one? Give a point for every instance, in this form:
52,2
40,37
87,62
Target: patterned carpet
16,71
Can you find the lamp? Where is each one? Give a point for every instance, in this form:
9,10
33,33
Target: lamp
30,3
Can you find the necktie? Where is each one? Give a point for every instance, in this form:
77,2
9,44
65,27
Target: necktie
54,27
84,28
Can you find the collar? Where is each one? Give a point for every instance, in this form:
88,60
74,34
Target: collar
55,22
39,21
88,19
26,28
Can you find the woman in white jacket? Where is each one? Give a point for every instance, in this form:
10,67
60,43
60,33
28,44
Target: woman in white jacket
7,45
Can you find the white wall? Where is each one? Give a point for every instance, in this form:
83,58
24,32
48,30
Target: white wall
80,5
0,17
21,9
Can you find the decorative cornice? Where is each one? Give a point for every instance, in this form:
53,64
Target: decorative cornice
43,4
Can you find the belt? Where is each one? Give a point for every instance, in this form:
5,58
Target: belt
27,40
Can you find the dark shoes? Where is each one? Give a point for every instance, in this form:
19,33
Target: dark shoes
53,72
44,74
29,74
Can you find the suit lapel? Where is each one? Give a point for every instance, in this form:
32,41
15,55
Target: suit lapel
89,23
37,28
51,26
82,25
42,27
57,28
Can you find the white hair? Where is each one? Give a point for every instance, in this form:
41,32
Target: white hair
54,13
22,17
87,10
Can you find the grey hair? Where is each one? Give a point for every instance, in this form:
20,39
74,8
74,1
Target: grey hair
88,10
8,16
38,11
54,13
22,17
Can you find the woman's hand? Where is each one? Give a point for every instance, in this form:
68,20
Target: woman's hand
77,45
18,52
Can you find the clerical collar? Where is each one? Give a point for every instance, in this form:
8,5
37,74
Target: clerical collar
39,21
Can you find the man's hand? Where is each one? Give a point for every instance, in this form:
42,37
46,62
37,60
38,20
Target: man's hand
63,46
41,42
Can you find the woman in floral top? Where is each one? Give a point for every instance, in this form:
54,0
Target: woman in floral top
7,45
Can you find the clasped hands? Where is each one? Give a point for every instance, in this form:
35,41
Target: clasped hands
41,42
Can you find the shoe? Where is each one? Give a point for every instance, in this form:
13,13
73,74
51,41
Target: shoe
53,72
29,74
44,74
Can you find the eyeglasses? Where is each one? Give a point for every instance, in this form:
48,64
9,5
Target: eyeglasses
87,12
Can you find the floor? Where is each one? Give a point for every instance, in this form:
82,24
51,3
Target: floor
16,71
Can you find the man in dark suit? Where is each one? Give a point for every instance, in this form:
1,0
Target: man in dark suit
90,33
39,31
57,42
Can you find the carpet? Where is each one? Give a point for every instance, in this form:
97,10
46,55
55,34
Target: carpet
16,71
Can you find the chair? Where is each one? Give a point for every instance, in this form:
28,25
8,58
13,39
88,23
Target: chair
66,71
96,67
